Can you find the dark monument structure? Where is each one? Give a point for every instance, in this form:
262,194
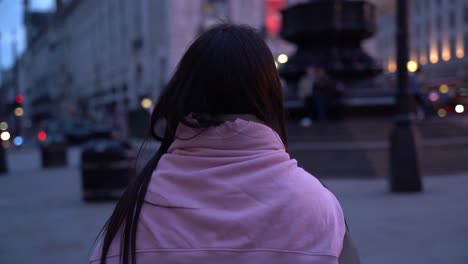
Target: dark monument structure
328,34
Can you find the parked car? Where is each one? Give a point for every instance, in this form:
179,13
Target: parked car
73,131
50,131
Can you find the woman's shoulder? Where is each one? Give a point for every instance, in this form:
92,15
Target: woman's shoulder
317,212
312,193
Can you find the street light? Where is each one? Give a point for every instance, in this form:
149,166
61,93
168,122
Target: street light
442,112
282,58
5,136
42,136
459,109
146,103
19,99
405,175
18,141
19,111
3,126
412,66
443,88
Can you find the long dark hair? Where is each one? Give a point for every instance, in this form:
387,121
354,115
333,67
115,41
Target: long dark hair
227,70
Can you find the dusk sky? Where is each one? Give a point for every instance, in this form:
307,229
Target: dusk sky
11,21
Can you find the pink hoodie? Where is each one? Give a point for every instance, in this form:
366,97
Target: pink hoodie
233,195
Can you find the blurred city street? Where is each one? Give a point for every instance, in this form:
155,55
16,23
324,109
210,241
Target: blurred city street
376,93
44,219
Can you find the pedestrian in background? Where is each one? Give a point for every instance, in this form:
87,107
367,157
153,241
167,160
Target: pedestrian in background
222,187
323,90
305,93
421,103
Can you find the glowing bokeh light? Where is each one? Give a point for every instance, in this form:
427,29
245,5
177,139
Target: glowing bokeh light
433,96
18,141
42,136
412,66
146,103
3,126
442,112
283,58
459,109
444,88
5,136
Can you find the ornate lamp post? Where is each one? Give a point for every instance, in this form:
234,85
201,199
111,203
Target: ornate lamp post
405,174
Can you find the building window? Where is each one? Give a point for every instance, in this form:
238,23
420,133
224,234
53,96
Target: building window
465,15
123,24
220,8
423,55
416,31
439,25
453,46
466,42
452,19
138,71
415,53
440,46
428,49
422,7
137,19
214,12
416,6
429,26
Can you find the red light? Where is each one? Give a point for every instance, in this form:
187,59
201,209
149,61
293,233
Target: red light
19,99
272,16
42,135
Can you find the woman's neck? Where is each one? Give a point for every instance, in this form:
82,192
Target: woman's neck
233,117
227,117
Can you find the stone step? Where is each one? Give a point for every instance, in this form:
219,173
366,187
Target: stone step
361,148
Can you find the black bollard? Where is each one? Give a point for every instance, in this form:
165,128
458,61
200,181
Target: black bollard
3,161
54,155
107,167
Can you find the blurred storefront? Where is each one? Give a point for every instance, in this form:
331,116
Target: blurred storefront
438,44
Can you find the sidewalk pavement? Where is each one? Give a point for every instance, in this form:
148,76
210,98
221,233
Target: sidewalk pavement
45,221
427,227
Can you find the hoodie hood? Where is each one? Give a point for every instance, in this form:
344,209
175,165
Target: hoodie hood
232,194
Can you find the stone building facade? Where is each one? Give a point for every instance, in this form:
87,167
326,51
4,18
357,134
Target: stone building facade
438,39
91,58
